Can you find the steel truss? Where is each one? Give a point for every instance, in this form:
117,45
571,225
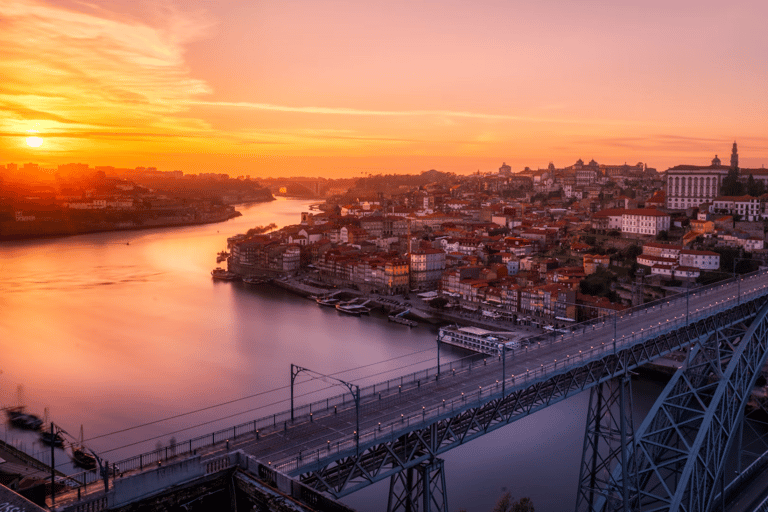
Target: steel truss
419,489
682,446
607,442
414,445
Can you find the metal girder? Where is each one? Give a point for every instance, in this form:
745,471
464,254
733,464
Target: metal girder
419,489
607,442
414,445
682,446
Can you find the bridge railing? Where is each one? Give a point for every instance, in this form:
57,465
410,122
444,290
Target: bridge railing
578,330
330,405
394,428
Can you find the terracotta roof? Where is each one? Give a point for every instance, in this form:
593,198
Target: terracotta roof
647,212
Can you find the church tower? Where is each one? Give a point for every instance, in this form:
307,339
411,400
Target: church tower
734,157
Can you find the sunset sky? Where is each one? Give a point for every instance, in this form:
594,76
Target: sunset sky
347,88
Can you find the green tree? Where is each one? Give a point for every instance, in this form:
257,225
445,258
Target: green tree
731,185
598,284
438,302
663,235
755,188
632,252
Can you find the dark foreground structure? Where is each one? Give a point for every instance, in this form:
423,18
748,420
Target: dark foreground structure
232,482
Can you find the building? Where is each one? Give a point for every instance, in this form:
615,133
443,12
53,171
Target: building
644,221
427,267
688,186
594,261
607,220
702,260
259,253
747,207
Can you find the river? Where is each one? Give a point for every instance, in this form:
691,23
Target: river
117,330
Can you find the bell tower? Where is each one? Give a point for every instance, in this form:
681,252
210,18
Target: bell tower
734,157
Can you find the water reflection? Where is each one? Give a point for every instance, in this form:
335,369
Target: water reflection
119,329
116,330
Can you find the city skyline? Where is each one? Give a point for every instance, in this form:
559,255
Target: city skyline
342,89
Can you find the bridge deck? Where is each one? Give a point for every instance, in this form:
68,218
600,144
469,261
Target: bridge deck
388,411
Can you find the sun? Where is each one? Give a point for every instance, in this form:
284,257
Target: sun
34,141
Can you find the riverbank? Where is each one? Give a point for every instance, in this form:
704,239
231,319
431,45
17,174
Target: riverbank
11,230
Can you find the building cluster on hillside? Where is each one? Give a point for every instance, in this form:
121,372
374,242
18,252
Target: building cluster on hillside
546,244
515,244
77,198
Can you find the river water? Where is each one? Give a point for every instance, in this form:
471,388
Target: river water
126,334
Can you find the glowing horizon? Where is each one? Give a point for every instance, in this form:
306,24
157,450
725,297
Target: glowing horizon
342,89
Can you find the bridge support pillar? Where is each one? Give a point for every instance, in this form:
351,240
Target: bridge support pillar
419,489
608,438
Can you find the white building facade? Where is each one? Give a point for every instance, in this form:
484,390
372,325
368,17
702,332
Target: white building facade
644,222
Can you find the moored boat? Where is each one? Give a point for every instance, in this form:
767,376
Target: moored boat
353,309
81,456
20,419
255,280
83,459
54,439
224,275
331,303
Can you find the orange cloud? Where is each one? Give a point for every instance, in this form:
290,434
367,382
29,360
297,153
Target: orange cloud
62,67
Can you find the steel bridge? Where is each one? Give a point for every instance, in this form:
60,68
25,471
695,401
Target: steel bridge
397,429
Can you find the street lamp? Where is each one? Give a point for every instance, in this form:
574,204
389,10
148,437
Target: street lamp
738,281
54,432
439,342
503,350
354,389
615,314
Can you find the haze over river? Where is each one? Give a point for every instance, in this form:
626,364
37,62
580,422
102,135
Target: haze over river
116,330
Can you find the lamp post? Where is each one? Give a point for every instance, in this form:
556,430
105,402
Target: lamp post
53,465
738,281
615,315
354,389
439,342
503,350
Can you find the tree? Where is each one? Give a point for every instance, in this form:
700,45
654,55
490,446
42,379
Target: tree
632,252
663,235
507,504
731,185
598,284
438,302
755,188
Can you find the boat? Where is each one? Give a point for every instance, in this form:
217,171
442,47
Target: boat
223,255
83,459
331,303
255,280
399,318
20,419
224,275
480,340
80,456
55,439
353,309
